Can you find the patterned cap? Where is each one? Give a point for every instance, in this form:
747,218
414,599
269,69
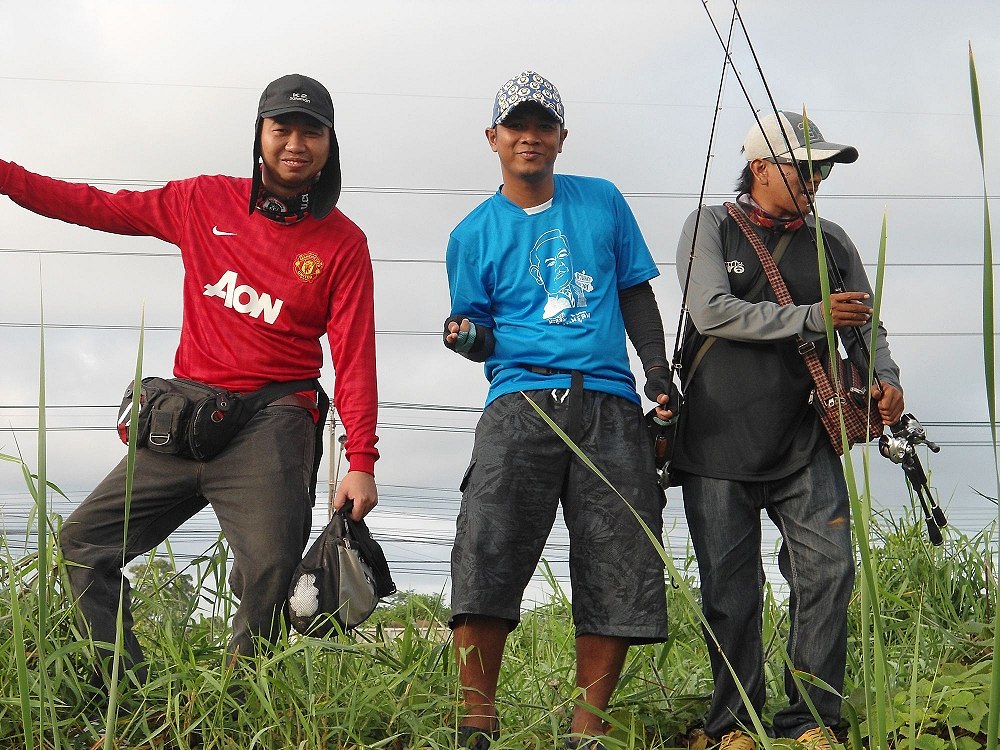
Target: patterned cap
527,87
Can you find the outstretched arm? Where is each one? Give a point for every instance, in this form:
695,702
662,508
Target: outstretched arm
156,213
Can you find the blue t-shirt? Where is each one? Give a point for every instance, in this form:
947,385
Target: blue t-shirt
547,284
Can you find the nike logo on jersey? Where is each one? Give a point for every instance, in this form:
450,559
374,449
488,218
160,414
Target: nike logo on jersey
244,299
219,233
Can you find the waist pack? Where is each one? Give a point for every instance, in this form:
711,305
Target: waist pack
194,420
340,580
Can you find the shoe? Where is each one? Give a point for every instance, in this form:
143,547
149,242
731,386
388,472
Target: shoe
814,739
698,740
475,738
737,740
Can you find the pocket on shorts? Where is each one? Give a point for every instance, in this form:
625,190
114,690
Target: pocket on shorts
467,475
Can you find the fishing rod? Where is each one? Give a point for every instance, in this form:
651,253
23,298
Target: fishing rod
832,268
661,431
907,432
675,366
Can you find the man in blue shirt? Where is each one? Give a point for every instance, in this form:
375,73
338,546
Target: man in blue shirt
546,277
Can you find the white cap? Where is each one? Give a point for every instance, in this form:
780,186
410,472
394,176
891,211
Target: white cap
769,142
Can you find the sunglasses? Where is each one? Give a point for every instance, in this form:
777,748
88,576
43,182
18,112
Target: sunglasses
823,167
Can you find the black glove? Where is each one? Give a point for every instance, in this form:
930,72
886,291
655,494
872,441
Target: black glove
460,343
658,381
476,345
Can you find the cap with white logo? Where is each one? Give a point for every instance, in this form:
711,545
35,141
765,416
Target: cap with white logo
768,140
301,94
297,93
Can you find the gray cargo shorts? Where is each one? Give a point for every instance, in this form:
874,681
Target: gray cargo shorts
520,471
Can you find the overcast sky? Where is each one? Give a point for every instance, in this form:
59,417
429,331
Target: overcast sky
132,94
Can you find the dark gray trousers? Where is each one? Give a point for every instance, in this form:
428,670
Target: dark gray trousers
259,489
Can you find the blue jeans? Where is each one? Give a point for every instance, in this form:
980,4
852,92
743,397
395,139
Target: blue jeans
812,513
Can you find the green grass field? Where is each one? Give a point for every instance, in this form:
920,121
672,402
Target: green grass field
922,665
394,684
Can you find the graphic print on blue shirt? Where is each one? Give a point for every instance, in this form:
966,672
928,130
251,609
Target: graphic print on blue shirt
551,263
547,283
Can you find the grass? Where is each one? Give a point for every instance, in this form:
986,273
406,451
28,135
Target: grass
989,361
923,672
370,690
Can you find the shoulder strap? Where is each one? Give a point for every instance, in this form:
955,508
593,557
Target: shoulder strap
776,255
824,388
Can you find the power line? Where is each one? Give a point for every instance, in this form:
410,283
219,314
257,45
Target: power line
450,429
381,405
147,327
428,261
683,195
461,97
395,332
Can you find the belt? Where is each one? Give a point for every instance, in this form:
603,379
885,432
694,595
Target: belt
295,399
575,416
546,370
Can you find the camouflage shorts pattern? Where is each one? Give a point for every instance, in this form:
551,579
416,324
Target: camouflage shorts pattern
520,472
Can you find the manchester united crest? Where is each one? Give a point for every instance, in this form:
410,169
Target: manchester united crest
308,266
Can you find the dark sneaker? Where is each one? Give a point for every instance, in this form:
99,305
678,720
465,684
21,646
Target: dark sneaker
475,738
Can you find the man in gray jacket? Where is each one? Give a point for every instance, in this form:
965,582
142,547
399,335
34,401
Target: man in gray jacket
750,439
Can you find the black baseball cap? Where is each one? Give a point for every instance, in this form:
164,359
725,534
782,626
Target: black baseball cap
304,95
296,93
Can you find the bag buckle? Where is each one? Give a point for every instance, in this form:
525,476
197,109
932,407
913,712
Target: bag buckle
807,347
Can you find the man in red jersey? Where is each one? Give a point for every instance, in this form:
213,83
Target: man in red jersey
260,289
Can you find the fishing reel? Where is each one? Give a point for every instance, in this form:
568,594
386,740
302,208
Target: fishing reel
907,433
900,448
662,434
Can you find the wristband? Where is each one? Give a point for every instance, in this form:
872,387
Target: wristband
465,339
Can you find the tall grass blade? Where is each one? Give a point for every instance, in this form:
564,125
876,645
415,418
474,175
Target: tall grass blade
686,591
20,655
989,362
877,698
876,692
114,687
877,302
41,500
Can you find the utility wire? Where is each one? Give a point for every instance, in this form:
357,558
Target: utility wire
682,195
435,261
407,95
393,332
